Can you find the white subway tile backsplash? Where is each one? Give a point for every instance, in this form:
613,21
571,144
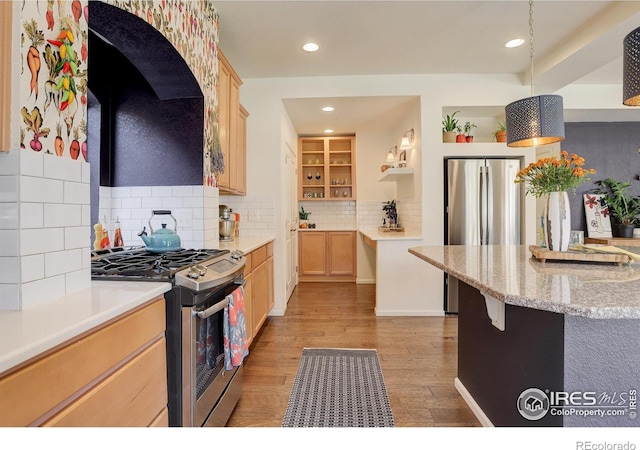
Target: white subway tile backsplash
62,215
140,191
32,267
9,242
86,172
10,162
77,281
41,240
8,188
131,203
172,202
161,191
9,270
37,292
80,237
77,193
10,297
62,169
120,191
31,163
182,191
56,263
9,216
33,189
86,215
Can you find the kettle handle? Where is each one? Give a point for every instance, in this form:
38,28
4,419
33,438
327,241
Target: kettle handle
163,212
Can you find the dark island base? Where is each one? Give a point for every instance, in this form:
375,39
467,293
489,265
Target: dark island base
497,366
555,353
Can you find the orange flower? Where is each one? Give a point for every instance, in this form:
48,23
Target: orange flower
553,174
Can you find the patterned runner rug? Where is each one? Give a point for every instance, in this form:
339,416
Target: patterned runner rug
338,388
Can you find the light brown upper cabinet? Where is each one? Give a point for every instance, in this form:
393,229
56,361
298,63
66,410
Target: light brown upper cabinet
327,168
232,128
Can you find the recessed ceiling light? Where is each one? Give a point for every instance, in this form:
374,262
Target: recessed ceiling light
514,43
328,108
310,47
329,130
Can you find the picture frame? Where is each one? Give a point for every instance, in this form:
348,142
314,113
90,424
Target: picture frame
597,216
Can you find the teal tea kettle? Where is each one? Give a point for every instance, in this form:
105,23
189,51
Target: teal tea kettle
164,239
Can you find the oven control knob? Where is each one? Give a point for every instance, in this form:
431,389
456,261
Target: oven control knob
237,254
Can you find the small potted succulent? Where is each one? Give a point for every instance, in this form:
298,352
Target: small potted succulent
623,207
500,134
468,126
449,125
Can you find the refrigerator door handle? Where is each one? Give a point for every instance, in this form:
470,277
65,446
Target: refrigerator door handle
483,206
489,204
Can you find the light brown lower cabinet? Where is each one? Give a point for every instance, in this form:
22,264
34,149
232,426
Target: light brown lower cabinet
112,376
258,288
327,256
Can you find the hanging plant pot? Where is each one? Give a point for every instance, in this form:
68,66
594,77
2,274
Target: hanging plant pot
448,136
461,138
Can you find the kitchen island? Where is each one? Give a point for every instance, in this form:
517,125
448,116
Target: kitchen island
544,344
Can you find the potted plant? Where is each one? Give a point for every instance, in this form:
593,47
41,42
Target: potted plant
468,126
304,216
460,137
623,207
449,125
501,133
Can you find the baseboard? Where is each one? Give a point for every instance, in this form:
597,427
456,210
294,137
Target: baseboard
475,408
365,281
404,312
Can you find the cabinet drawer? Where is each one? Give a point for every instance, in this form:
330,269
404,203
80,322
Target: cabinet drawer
258,256
37,388
132,396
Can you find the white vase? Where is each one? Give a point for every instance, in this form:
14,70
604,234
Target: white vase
557,218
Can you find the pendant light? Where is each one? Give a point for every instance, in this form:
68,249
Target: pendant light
536,120
631,71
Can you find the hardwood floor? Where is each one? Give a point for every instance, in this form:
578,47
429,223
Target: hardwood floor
418,356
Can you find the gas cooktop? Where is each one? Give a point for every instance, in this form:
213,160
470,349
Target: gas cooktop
138,263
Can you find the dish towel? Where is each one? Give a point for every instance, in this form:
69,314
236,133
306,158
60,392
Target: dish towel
236,347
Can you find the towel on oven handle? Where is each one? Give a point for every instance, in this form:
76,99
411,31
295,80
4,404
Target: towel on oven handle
236,346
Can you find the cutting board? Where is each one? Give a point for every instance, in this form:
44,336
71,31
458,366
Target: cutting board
542,254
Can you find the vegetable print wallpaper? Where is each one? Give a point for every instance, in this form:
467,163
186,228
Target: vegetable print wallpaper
192,28
53,77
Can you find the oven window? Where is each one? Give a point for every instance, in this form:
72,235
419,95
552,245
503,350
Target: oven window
210,350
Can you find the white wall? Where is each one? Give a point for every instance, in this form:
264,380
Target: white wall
263,98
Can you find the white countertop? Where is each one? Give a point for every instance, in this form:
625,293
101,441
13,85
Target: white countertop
245,244
376,235
509,274
317,228
27,333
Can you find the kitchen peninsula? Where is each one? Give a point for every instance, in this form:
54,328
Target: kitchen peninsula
548,329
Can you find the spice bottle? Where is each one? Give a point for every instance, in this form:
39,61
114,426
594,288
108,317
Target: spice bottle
105,243
117,234
97,244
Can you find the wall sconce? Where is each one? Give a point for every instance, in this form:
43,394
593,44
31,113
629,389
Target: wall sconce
391,156
407,140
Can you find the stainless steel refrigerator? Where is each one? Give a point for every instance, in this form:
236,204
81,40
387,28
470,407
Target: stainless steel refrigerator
482,207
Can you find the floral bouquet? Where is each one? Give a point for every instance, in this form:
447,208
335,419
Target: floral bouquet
554,175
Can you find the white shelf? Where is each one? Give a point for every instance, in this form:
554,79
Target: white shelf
395,174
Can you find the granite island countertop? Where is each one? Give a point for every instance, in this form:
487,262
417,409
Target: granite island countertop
509,274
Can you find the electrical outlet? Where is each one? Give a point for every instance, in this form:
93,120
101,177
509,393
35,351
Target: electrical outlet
253,216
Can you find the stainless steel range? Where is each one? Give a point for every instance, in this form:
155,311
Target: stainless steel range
201,391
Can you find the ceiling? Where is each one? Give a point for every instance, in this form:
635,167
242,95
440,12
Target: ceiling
575,42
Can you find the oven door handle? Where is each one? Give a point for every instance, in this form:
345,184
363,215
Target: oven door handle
213,309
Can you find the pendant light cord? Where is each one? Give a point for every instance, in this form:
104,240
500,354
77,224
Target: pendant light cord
531,42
